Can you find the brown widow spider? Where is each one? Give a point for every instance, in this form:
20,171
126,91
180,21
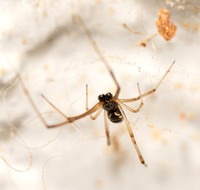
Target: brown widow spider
111,105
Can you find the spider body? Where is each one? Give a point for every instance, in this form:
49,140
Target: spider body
111,106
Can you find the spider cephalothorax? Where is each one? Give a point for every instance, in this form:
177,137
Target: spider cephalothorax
111,106
105,97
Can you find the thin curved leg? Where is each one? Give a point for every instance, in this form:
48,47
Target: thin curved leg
129,108
79,20
100,110
150,91
132,137
106,128
68,119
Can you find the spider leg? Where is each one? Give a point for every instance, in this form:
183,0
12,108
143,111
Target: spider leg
130,109
150,91
132,136
100,110
96,115
51,104
96,107
79,20
69,119
106,128
26,92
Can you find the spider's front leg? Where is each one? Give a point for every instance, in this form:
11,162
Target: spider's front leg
96,107
150,91
80,21
26,92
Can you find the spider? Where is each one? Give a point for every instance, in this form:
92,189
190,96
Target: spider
108,102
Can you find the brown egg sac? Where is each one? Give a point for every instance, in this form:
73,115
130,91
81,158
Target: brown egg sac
165,27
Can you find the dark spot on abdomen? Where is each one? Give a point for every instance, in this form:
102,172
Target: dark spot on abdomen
115,116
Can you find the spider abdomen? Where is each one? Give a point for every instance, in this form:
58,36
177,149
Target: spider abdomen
115,115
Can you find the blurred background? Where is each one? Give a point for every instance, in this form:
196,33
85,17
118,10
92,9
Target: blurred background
40,41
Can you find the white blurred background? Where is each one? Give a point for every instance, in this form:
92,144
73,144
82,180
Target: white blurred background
39,40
